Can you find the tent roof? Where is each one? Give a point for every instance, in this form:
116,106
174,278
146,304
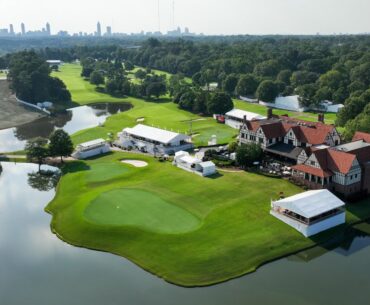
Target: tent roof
189,159
237,113
311,203
92,143
155,134
207,164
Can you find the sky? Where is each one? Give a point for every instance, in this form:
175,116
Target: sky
201,16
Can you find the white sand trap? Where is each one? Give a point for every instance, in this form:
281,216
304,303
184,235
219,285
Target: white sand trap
136,163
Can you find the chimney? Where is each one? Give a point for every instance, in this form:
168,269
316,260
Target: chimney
245,120
269,113
321,118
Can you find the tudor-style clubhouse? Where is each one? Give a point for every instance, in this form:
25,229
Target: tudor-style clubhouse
310,212
286,137
153,140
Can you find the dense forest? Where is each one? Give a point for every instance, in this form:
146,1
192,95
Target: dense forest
31,81
317,68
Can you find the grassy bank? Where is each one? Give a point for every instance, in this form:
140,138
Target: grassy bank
189,230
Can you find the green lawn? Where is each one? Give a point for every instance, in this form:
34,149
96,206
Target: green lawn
189,230
162,113
142,209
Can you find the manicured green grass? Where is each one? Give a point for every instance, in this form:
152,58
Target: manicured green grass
105,171
142,209
233,233
163,113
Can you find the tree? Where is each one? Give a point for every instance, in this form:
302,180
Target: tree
284,76
247,154
156,88
268,68
129,66
230,83
307,95
60,144
96,78
219,103
140,74
300,78
247,85
267,91
36,150
360,123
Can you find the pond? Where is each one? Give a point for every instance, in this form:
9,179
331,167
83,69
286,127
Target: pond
72,120
37,268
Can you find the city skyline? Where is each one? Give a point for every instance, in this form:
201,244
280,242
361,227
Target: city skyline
209,17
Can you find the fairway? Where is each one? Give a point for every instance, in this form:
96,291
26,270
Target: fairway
162,113
142,209
105,171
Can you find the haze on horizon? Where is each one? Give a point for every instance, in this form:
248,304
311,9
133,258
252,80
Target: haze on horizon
201,16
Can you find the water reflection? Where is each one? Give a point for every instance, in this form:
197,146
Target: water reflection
36,268
71,121
43,181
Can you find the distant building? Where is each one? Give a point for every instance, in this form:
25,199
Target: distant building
109,31
98,29
48,29
23,29
153,140
11,29
54,62
310,212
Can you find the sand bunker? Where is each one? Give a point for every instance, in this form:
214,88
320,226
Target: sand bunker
136,163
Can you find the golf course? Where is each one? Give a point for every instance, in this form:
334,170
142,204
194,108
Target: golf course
188,230
162,113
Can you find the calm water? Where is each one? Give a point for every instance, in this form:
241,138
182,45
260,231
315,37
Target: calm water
73,120
36,268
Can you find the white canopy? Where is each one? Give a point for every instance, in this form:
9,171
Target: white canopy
311,203
239,114
155,134
207,164
92,143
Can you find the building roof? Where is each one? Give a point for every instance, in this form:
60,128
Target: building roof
361,136
348,147
314,133
189,159
339,161
155,134
239,114
207,164
313,170
312,203
92,143
285,150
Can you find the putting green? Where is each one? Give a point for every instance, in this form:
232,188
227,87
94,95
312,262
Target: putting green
132,207
105,171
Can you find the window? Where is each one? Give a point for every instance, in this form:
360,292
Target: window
356,175
313,163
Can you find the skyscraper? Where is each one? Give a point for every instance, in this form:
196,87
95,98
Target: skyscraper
11,29
23,29
98,29
109,31
48,30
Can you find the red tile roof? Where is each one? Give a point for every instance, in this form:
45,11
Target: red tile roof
313,170
340,161
306,132
361,136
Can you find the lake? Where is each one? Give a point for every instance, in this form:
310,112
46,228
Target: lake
37,268
72,120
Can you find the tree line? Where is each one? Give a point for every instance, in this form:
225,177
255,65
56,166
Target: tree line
30,79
